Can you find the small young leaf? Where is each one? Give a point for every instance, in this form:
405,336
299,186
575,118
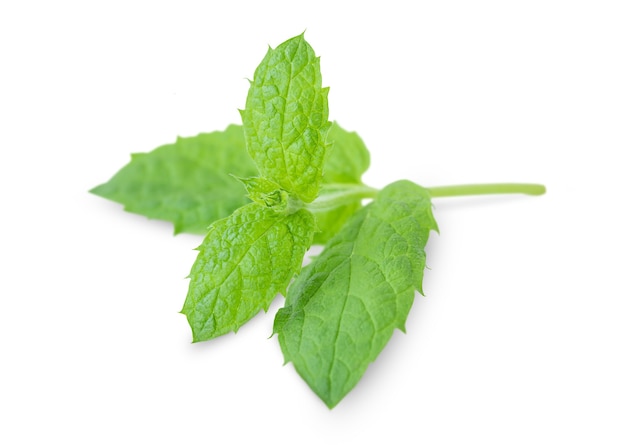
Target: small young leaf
266,192
243,262
343,308
187,183
286,118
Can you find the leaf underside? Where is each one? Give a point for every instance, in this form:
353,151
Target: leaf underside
343,308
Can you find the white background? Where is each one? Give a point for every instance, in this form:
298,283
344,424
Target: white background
521,337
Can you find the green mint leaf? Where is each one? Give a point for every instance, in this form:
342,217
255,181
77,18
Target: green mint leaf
187,183
343,308
347,160
328,223
335,204
243,262
286,118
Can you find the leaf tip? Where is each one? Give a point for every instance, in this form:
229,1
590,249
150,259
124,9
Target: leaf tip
96,190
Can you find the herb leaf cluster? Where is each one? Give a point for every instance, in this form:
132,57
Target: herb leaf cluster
263,193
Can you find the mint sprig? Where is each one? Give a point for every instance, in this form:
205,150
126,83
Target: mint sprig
263,193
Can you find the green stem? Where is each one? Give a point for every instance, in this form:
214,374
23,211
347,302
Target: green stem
486,189
338,195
